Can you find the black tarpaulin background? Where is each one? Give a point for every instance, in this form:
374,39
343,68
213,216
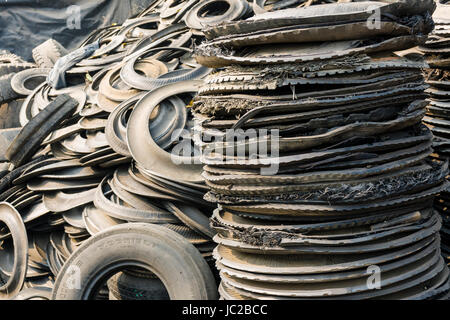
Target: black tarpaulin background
24,24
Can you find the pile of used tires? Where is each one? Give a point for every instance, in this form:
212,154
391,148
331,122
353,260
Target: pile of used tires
87,170
437,54
123,150
316,155
10,100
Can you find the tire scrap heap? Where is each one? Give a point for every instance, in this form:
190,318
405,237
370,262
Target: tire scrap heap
353,193
437,54
123,154
97,157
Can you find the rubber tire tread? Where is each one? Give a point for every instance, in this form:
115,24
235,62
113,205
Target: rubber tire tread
6,181
42,122
19,79
35,141
178,263
47,53
8,68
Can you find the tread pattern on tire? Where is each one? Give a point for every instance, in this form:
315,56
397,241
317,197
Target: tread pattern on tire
47,53
177,263
32,135
11,63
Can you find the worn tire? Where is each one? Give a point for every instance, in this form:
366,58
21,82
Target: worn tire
32,135
12,219
11,63
47,53
6,180
35,75
237,9
175,261
124,286
6,69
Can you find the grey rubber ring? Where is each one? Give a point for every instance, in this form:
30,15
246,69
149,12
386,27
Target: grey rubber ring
132,78
235,10
19,80
162,127
12,219
130,214
141,143
175,261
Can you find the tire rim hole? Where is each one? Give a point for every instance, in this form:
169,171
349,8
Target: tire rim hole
136,284
6,256
126,281
214,9
34,82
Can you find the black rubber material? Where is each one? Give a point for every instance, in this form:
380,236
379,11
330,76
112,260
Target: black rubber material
7,180
47,53
10,63
12,219
37,129
7,57
28,173
3,173
171,7
178,264
9,192
31,127
198,17
6,69
6,91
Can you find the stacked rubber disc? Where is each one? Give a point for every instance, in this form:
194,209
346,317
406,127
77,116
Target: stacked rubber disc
437,54
314,150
